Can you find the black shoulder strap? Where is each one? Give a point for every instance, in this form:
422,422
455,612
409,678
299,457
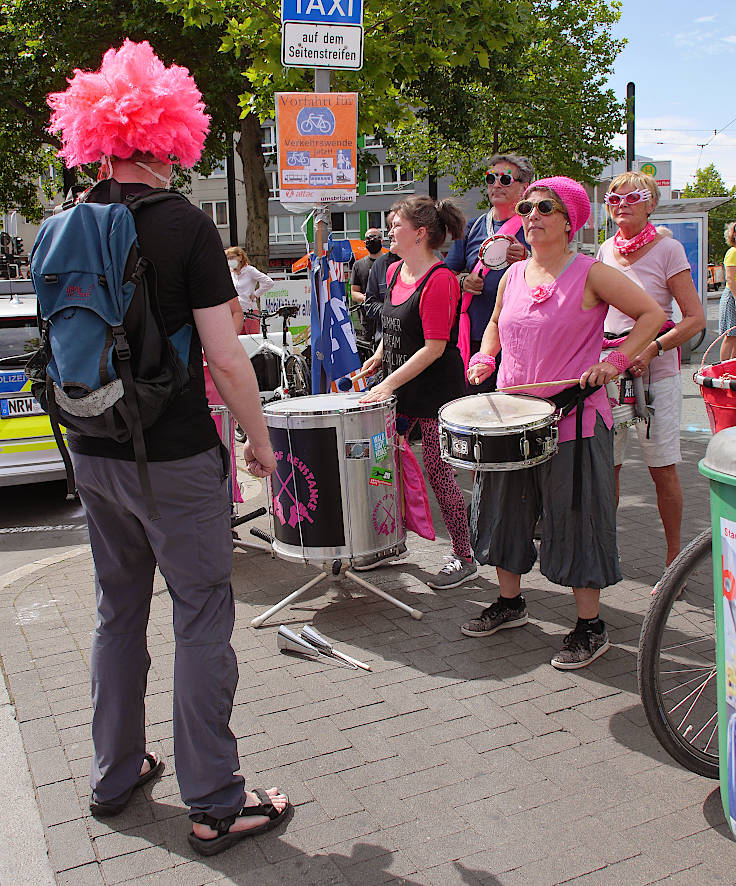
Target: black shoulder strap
392,281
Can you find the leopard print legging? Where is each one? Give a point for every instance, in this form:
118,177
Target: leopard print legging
446,490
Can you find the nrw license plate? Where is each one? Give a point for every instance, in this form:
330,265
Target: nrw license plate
19,406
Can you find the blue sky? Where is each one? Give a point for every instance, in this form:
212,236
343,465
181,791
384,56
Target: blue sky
682,57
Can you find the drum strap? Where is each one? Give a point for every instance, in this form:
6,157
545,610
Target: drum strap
566,400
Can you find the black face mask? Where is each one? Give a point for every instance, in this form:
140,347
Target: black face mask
373,245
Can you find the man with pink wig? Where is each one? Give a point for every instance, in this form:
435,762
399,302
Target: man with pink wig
136,117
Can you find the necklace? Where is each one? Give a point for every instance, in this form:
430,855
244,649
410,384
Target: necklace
626,247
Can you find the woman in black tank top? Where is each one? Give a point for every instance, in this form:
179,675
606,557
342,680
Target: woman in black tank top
421,363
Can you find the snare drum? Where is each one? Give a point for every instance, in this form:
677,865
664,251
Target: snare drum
498,432
334,493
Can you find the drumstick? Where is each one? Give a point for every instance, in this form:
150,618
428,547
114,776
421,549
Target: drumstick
542,384
346,383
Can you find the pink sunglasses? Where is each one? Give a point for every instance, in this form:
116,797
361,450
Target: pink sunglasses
631,198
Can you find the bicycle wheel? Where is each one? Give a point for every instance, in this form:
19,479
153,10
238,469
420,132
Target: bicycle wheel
677,660
697,340
297,376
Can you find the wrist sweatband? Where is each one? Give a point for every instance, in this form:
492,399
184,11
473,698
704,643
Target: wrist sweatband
620,361
487,359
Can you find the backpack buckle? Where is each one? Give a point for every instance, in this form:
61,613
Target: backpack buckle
140,270
122,348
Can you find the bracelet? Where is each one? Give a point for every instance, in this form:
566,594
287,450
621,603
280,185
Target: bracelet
617,359
660,346
486,359
461,280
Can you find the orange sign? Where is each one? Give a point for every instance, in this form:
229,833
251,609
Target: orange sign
317,136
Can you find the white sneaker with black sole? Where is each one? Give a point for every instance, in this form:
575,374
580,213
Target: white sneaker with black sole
454,573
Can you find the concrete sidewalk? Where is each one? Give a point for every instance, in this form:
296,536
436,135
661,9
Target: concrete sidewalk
455,761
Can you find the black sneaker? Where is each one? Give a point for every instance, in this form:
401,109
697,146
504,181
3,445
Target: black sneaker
496,617
383,558
579,648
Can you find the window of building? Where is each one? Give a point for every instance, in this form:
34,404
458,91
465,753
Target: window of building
285,228
219,170
389,177
345,225
217,211
268,139
378,220
373,141
273,184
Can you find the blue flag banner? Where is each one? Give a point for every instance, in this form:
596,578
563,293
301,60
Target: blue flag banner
334,349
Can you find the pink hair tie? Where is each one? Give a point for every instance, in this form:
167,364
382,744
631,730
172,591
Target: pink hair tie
619,360
486,359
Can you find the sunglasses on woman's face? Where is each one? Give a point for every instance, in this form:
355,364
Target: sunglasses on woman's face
504,178
631,198
544,207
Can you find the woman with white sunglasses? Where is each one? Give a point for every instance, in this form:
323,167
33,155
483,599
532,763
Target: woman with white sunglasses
548,319
659,265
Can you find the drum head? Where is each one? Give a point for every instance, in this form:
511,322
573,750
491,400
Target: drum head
496,412
492,253
323,403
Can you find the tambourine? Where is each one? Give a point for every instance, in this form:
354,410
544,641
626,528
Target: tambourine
492,253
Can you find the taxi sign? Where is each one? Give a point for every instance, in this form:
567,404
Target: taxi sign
329,12
317,146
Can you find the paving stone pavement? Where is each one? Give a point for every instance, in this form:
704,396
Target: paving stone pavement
455,761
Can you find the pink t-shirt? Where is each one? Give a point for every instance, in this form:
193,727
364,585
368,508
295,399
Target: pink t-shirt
437,303
553,339
652,271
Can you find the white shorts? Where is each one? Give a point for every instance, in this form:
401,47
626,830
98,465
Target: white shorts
663,446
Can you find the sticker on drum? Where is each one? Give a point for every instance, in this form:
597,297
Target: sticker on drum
380,446
492,253
498,432
357,449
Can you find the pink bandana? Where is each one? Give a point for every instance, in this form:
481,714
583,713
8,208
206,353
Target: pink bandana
626,247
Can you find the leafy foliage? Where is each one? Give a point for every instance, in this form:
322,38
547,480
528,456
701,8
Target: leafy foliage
709,183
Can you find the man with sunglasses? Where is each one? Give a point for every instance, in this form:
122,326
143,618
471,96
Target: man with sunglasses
507,177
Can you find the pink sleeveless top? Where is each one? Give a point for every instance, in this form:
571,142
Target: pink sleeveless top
553,339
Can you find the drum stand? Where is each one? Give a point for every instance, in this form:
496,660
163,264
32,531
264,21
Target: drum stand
336,571
223,413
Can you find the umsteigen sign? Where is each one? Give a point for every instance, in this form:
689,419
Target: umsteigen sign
322,34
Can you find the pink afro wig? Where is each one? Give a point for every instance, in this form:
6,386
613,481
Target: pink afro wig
133,103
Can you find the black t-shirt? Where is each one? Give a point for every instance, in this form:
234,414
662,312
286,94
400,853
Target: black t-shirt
191,272
360,272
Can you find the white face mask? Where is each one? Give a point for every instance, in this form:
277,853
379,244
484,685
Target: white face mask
165,180
233,263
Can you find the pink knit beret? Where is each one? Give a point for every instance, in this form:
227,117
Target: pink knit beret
573,197
133,103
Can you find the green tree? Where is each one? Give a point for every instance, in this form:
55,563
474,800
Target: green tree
405,42
709,183
42,41
544,96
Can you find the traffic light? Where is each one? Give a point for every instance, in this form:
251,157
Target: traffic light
18,242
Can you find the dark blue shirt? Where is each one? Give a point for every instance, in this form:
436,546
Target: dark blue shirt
463,256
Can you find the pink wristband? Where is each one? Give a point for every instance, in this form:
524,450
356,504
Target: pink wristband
619,360
487,359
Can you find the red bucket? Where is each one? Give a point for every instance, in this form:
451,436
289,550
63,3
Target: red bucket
718,388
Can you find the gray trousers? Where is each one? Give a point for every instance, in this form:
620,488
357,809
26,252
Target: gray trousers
192,545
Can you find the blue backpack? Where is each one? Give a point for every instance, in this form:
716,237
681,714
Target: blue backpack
105,366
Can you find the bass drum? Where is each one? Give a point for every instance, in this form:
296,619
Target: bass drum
498,432
335,491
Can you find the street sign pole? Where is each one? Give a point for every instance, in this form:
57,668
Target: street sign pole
322,78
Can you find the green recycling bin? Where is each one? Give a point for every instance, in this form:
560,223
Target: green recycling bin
719,465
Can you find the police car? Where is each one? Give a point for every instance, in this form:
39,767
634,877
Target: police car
28,451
